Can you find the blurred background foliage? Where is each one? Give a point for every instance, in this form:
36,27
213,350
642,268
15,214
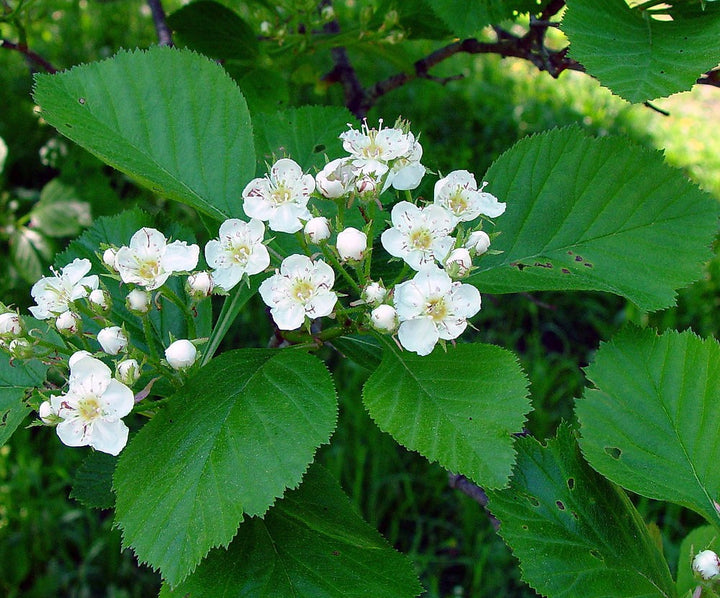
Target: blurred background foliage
49,190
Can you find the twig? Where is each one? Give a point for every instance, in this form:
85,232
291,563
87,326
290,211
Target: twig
710,78
163,31
29,55
460,482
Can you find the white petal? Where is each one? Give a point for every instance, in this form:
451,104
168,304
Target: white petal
404,215
214,253
419,335
76,269
288,317
259,260
490,206
286,169
408,177
148,243
117,400
465,301
72,432
227,278
109,437
180,257
285,220
258,207
321,305
451,328
394,242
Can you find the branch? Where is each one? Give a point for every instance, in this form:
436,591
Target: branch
460,482
31,56
163,31
710,78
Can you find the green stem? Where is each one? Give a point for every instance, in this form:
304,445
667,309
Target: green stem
338,266
189,317
150,338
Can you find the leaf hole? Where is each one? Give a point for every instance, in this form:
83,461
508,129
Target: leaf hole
533,501
560,505
320,147
571,483
574,514
81,101
578,258
3,421
613,451
588,265
565,271
68,125
594,553
525,527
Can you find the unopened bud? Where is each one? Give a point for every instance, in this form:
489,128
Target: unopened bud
181,354
478,242
68,323
10,325
127,371
384,318
199,285
20,348
366,186
138,302
317,230
706,564
351,244
100,300
458,263
112,340
109,258
47,414
374,293
335,180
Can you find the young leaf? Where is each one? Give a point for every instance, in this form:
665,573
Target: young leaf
574,532
240,432
595,214
460,407
311,544
701,538
651,422
171,119
637,56
15,378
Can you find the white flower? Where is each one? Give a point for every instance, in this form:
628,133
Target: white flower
366,185
138,301
374,293
112,340
407,172
317,230
458,262
281,197
100,298
92,408
300,288
238,251
430,307
181,354
47,414
707,564
351,244
10,325
384,318
3,153
68,323
459,194
127,371
77,356
200,284
336,179
109,256
418,236
149,260
478,242
53,294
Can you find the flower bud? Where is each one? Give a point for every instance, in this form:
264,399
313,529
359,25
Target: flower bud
458,263
706,564
138,302
112,340
10,325
109,258
77,356
335,180
199,285
374,293
478,242
181,354
351,244
99,300
317,230
20,348
47,414
127,371
68,323
366,186
384,318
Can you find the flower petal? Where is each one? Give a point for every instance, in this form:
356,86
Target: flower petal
179,257
419,335
109,436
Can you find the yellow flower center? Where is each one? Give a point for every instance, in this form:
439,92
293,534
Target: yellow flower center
281,194
457,203
437,309
240,254
148,269
420,238
302,290
89,408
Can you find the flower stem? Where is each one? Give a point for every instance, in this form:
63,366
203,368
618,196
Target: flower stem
167,292
338,266
150,338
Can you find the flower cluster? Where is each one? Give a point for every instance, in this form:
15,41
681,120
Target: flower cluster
99,318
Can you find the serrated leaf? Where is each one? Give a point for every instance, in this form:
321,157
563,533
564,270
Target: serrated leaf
214,30
60,213
311,544
460,407
701,538
28,252
637,56
240,432
574,532
15,378
304,134
364,350
595,214
466,19
171,119
92,484
651,422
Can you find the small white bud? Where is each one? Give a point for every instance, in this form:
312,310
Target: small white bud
706,564
10,325
100,299
351,244
199,285
265,27
458,263
20,348
335,180
181,354
366,185
77,356
109,258
127,371
317,230
478,241
374,293
47,414
384,318
138,301
112,340
68,323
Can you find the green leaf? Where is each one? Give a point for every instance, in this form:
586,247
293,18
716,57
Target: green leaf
701,538
311,544
29,251
214,30
364,350
651,422
92,484
265,89
637,56
15,379
575,533
460,407
240,432
171,119
304,134
595,214
466,19
60,213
